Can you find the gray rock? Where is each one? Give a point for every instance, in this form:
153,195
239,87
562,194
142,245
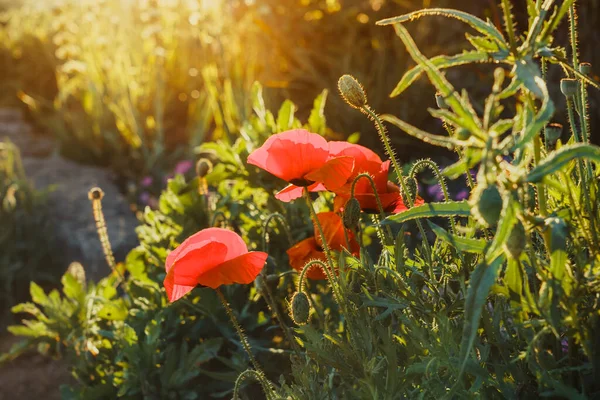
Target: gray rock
71,211
17,130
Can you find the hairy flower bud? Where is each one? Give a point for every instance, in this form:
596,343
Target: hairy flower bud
440,101
95,193
203,167
553,132
516,241
585,68
569,86
486,204
351,215
352,91
300,308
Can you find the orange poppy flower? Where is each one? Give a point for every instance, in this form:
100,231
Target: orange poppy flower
211,257
311,248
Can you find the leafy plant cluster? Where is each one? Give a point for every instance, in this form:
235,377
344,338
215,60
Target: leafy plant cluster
493,297
25,233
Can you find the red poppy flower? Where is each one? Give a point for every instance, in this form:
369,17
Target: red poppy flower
211,257
311,248
301,158
388,192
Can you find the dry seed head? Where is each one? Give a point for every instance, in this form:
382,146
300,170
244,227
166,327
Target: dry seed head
585,68
486,204
569,86
203,167
300,308
352,91
95,194
515,244
351,216
553,132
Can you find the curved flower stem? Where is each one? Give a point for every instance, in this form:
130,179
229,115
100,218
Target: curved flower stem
307,267
265,234
257,376
388,237
244,341
388,148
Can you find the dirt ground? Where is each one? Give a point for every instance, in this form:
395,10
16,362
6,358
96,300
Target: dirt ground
31,376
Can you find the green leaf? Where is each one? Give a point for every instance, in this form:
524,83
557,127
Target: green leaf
114,311
441,62
482,279
37,294
316,121
72,288
541,119
429,210
476,246
529,73
459,104
437,140
559,159
285,116
476,23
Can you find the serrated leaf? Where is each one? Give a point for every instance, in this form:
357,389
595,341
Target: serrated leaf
441,62
316,121
467,245
482,279
559,159
476,23
429,210
437,140
285,116
114,311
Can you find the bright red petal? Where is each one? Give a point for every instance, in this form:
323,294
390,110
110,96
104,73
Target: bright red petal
293,192
303,252
175,291
333,228
334,174
359,153
292,154
243,269
196,260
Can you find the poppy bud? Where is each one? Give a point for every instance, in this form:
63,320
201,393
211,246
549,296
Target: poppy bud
462,134
553,132
516,241
203,167
351,215
569,86
95,194
585,68
486,204
440,101
300,308
352,91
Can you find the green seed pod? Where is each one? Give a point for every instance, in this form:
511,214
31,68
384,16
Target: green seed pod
351,215
95,194
553,132
300,308
462,134
486,204
440,101
203,167
585,68
569,86
515,244
352,91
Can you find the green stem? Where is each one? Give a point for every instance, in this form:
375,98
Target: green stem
368,177
257,377
390,152
309,265
540,186
244,341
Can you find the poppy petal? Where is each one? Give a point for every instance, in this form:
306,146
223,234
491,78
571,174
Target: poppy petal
333,229
198,259
334,174
175,291
303,252
292,154
293,192
359,153
243,269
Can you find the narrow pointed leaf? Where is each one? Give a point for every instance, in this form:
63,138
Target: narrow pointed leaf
429,210
559,159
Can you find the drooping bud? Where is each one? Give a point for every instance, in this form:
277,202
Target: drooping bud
95,193
203,167
440,101
569,86
516,241
351,215
300,308
352,91
585,68
553,132
486,204
462,134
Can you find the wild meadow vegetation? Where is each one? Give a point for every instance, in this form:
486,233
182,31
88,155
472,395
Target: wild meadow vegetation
296,265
